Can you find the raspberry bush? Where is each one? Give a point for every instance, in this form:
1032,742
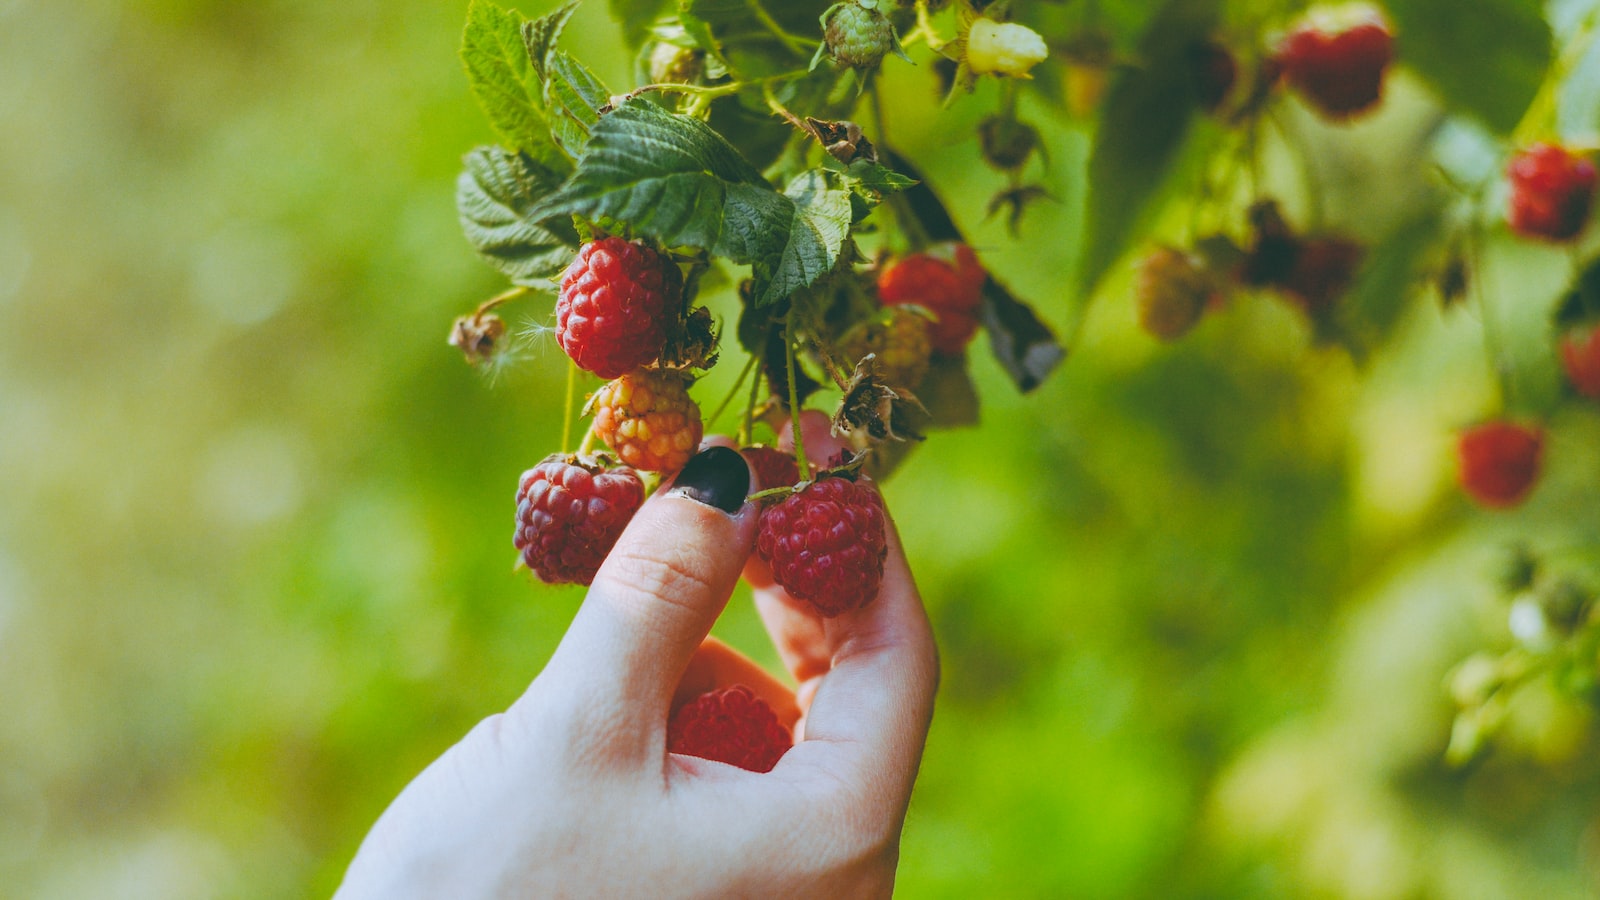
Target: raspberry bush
742,228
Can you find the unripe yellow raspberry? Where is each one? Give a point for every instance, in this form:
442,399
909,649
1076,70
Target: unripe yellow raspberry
900,340
1004,48
649,419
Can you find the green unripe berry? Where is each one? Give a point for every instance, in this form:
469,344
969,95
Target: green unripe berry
856,34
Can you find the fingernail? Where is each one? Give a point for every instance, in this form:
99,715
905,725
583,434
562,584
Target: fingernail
716,477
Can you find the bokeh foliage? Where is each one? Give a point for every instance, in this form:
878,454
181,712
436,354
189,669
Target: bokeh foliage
1196,604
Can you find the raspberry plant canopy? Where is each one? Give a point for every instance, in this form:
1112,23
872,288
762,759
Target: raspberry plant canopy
749,155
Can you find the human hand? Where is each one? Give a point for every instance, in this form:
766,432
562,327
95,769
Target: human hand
571,791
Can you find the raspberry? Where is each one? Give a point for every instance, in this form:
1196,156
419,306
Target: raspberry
1004,48
1500,462
1315,271
731,725
856,34
826,544
1337,60
774,468
649,419
1006,142
1173,289
1552,189
1274,249
1323,271
946,280
1580,356
900,340
618,303
570,515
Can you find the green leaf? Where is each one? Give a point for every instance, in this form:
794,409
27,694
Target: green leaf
672,178
578,96
1488,60
813,237
504,82
735,32
494,196
1578,110
1148,111
1581,303
635,17
1389,278
539,35
877,177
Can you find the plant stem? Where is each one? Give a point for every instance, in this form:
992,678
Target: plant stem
747,432
794,401
1491,332
588,441
732,392
515,293
797,44
572,397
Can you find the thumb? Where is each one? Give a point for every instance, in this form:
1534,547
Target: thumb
658,592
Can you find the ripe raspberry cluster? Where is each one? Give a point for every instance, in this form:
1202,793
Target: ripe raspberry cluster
621,306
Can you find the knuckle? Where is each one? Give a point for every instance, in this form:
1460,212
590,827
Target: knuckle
666,574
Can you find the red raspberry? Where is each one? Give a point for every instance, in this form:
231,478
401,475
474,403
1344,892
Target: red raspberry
649,418
774,468
732,725
948,281
1337,61
1552,189
826,544
1580,355
570,515
1500,462
618,303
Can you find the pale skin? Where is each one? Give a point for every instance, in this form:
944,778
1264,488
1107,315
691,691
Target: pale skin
571,791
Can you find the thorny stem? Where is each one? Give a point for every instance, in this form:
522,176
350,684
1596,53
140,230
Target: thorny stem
732,392
774,104
794,400
707,91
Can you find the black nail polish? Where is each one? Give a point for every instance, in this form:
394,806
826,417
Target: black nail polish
716,477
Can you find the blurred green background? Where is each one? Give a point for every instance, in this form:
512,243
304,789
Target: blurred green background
255,561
